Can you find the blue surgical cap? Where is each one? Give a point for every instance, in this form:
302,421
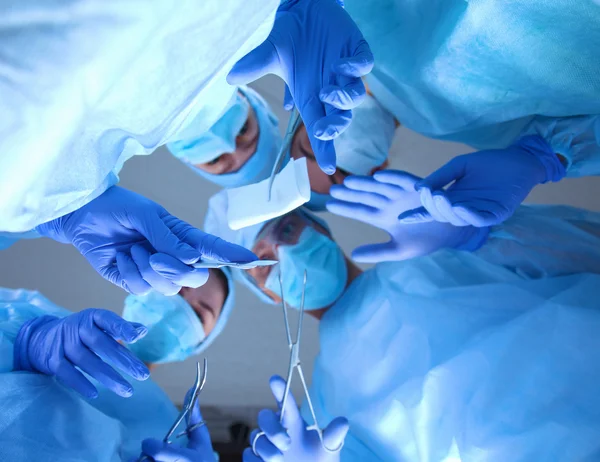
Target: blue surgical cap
194,148
215,222
175,331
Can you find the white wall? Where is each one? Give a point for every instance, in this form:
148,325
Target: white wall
253,346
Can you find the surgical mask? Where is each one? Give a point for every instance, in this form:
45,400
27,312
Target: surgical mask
366,143
317,201
259,165
325,267
174,328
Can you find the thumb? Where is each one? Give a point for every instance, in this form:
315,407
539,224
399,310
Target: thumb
291,413
375,253
218,249
259,62
199,437
335,433
448,173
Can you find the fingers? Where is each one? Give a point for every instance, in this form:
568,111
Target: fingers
288,99
165,452
370,199
418,215
493,215
291,413
405,180
375,253
141,257
110,350
446,209
269,424
335,433
333,124
72,378
259,62
162,239
264,448
131,278
370,184
359,212
92,365
178,273
249,456
344,97
358,65
311,112
218,249
117,327
452,171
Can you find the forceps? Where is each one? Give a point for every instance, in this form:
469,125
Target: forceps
188,406
292,126
295,364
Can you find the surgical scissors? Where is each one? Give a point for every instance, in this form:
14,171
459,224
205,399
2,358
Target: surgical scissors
292,126
295,364
188,407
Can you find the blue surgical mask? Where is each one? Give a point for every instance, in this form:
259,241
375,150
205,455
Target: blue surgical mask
174,328
325,266
317,201
259,165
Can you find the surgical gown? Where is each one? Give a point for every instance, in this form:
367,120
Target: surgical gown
458,356
41,420
85,85
486,72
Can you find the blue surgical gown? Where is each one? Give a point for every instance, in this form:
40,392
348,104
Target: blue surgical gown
85,85
41,420
492,355
486,72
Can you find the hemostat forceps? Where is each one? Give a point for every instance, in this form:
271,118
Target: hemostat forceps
188,406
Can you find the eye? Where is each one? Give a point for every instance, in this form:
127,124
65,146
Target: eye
244,129
215,161
287,232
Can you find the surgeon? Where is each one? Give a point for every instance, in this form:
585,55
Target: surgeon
491,75
44,352
461,352
181,325
100,91
242,146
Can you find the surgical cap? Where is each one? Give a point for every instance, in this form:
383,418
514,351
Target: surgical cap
215,222
366,143
194,147
173,337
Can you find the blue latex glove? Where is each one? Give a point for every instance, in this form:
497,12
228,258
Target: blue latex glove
199,448
378,200
320,53
59,346
488,185
136,244
297,443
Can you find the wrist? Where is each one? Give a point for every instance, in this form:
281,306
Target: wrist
54,230
553,168
21,347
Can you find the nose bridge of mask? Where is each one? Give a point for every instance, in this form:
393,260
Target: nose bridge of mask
249,204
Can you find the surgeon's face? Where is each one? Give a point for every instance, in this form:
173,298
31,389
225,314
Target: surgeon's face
208,300
245,147
283,231
319,181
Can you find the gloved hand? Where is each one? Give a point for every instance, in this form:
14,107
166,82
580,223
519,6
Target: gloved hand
136,244
199,448
58,346
320,53
298,443
378,200
488,185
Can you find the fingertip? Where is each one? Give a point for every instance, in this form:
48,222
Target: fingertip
277,384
